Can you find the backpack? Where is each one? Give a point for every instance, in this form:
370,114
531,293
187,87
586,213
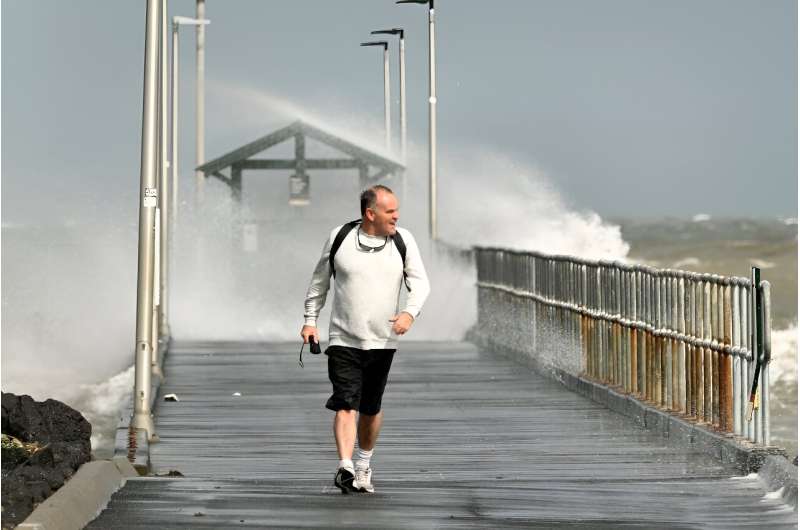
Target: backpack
346,228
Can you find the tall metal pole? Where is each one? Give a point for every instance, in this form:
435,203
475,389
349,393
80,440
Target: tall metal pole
386,96
403,136
174,122
403,130
164,187
387,100
200,102
159,172
432,120
177,21
147,208
431,113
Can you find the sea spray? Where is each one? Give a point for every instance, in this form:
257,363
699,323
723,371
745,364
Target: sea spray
221,291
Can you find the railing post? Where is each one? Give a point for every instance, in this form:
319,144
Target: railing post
666,351
767,357
696,351
758,338
747,337
715,386
737,359
726,380
682,365
677,375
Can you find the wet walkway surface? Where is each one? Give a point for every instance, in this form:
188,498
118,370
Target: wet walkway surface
470,440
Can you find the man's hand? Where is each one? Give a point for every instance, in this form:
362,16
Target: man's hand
309,331
402,323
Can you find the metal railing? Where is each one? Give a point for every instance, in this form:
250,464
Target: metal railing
679,340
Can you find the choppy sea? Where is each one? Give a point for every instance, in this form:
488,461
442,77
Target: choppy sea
732,247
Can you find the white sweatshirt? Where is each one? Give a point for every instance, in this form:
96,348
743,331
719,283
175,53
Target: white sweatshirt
367,289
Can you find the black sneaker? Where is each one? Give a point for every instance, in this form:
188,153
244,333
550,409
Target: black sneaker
345,480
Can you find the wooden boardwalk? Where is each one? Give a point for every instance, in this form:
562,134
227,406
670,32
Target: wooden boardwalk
470,440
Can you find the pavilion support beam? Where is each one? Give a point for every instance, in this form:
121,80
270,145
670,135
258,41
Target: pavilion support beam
220,176
310,163
300,154
363,175
236,183
379,175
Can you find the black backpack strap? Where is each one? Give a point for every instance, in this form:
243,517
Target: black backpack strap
347,228
401,248
337,242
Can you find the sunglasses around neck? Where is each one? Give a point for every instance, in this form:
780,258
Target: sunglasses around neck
368,248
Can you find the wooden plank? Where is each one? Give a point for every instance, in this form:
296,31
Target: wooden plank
470,440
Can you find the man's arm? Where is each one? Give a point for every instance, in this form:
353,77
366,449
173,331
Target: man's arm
417,281
317,293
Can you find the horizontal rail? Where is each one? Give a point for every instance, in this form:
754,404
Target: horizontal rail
680,340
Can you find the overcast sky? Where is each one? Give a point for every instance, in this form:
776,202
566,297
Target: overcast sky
630,107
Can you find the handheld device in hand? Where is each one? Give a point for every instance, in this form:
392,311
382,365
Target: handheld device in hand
314,349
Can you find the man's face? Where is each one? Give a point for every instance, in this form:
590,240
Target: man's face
385,214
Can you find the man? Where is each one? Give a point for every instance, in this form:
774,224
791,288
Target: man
365,323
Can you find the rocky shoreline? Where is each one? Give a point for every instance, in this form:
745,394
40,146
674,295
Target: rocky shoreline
44,444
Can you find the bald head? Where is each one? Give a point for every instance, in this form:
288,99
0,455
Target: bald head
379,211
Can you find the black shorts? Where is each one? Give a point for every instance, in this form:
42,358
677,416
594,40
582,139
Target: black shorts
358,378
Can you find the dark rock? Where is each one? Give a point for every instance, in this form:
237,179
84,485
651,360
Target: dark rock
45,422
61,438
17,504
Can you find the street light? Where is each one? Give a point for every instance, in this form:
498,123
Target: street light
161,325
386,99
431,111
177,22
200,109
148,201
399,31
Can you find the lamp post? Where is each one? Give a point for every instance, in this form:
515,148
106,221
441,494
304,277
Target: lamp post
431,112
177,22
200,109
387,114
162,225
399,31
148,201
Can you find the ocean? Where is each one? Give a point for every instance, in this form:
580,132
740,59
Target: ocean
731,247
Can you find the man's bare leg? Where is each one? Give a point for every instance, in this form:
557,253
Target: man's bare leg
344,430
368,429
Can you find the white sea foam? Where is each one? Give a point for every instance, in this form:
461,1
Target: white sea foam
690,261
257,109
499,202
101,404
783,366
486,197
774,495
75,325
762,264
